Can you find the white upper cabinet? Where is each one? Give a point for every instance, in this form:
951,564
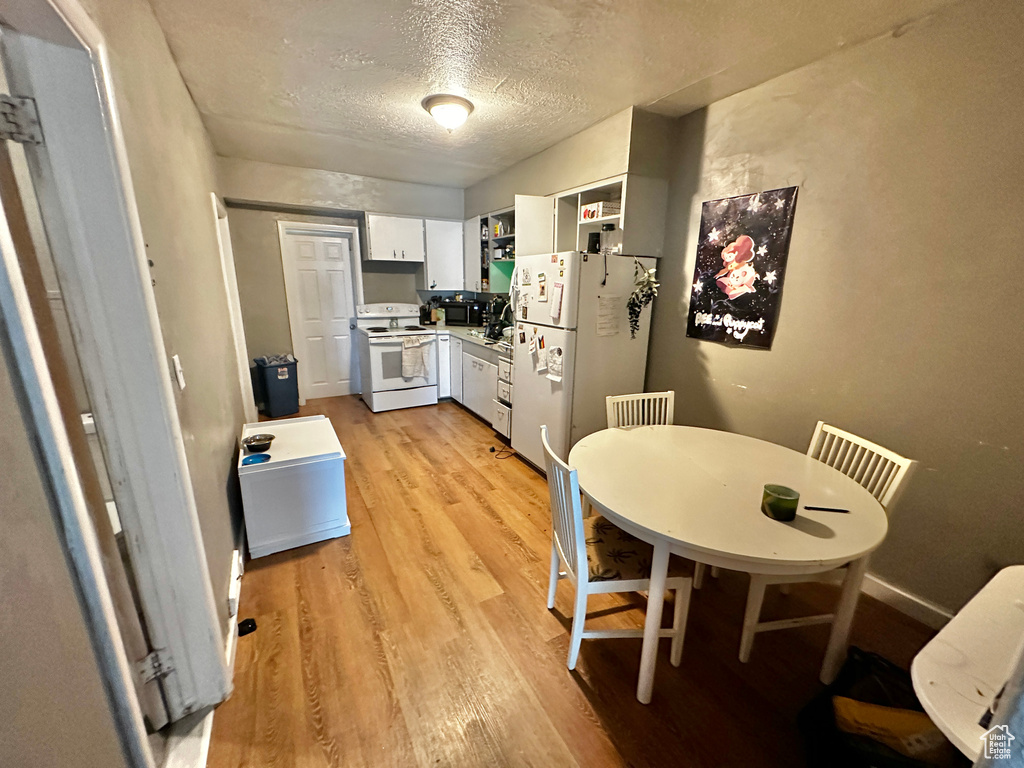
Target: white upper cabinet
535,225
444,269
394,238
471,253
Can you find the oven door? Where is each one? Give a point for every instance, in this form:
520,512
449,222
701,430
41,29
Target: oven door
386,365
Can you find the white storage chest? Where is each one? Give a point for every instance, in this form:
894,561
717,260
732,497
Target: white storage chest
298,496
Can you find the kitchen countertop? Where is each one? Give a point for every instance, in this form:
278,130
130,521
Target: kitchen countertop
463,333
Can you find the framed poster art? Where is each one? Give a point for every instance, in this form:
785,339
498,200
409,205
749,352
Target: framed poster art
741,265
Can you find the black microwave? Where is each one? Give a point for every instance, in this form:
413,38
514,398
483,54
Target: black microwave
463,312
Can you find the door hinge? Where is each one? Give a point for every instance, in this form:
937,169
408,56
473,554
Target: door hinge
19,120
154,666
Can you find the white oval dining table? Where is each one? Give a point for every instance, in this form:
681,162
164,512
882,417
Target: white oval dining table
697,493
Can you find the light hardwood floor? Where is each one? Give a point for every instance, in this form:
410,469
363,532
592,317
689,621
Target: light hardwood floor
423,639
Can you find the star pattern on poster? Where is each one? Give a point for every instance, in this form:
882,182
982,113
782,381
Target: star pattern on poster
742,249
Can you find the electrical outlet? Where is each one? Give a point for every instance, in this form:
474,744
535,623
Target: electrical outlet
179,374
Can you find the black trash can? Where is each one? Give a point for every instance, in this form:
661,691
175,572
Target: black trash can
276,385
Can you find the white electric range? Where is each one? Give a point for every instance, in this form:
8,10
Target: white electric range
382,329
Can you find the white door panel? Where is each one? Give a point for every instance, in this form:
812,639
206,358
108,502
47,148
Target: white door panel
444,270
310,295
539,399
544,272
535,225
472,240
321,305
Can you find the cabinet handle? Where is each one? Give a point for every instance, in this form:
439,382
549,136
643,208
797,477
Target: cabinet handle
403,254
394,254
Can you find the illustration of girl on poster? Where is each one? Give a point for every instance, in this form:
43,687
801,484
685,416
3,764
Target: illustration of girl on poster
741,265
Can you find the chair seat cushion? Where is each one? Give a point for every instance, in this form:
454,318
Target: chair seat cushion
614,555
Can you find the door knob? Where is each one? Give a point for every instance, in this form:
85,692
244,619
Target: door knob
351,326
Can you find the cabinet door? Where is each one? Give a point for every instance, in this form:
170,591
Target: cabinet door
394,238
479,384
471,385
380,234
444,255
471,254
444,365
409,236
489,383
456,369
535,225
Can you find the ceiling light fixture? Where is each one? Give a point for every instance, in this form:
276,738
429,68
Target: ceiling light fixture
449,111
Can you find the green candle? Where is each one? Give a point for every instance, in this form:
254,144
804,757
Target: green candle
780,502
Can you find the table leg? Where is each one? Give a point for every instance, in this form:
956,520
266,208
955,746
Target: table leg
839,640
655,604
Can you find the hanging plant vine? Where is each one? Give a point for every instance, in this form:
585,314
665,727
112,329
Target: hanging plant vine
643,294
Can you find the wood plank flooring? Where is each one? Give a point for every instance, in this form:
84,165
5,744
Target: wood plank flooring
423,639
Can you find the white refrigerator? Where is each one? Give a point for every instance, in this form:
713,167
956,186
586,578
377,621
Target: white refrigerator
572,346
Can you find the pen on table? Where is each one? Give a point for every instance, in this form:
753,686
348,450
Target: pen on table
826,509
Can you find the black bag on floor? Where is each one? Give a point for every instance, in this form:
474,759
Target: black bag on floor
872,679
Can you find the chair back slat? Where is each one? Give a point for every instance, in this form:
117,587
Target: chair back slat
640,409
877,469
566,510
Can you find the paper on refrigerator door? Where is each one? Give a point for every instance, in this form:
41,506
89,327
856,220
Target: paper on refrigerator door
541,356
556,300
610,310
555,360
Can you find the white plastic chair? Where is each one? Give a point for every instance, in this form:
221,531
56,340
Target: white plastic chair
641,409
600,557
879,470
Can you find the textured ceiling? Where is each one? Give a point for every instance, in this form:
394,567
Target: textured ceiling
337,85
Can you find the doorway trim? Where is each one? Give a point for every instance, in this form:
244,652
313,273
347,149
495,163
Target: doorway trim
58,56
285,228
227,265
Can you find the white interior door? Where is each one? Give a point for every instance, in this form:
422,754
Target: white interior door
91,223
322,296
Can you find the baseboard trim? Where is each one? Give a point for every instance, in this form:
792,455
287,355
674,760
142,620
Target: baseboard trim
912,605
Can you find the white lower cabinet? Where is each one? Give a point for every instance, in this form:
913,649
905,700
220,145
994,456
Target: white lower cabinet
455,369
502,419
444,365
479,382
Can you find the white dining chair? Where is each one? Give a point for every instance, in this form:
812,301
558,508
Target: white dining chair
879,470
600,557
640,409
635,411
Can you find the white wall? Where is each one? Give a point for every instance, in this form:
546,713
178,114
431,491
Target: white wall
902,297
